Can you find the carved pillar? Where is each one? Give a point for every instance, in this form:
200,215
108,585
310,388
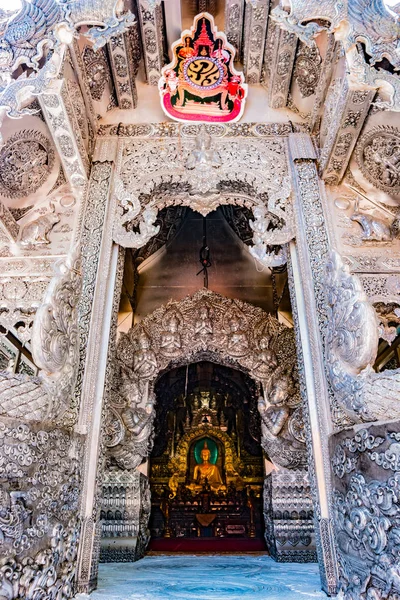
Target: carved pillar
308,259
80,72
255,27
288,513
121,533
234,16
58,112
279,56
345,113
97,310
323,82
151,26
124,59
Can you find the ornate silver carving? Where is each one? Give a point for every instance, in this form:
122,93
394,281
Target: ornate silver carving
141,175
351,348
234,14
27,35
307,69
26,161
151,25
61,120
203,160
234,333
264,236
378,154
280,394
97,71
370,23
288,513
39,528
255,27
373,228
124,58
346,110
282,51
124,515
112,27
55,335
36,232
367,512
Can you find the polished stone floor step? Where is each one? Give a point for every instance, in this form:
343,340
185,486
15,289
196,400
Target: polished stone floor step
213,577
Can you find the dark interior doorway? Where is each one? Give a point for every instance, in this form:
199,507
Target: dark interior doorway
206,467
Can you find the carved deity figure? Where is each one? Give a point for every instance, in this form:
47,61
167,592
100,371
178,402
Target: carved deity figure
204,326
275,413
171,342
203,156
144,360
130,387
266,361
238,344
138,423
206,472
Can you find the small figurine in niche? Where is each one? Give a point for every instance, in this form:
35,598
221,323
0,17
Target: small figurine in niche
171,338
275,412
144,359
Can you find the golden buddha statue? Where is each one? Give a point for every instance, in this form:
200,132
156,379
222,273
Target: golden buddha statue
206,471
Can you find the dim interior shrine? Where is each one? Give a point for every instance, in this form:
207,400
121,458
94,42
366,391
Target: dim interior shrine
199,299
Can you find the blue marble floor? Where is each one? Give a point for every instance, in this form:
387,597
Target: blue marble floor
215,577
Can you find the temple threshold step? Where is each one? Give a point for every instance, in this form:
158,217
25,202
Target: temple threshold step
206,545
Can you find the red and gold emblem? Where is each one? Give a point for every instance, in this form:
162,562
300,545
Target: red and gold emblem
201,83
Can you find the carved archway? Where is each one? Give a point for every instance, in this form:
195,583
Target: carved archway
252,173
230,332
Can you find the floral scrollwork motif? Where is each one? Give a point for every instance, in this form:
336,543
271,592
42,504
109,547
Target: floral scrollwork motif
26,161
97,70
40,469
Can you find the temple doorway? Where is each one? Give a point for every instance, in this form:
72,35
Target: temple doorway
204,440
206,468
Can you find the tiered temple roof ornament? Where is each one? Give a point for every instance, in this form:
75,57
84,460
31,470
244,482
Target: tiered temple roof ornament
201,83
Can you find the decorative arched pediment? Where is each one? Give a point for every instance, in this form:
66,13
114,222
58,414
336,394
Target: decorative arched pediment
206,322
203,174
